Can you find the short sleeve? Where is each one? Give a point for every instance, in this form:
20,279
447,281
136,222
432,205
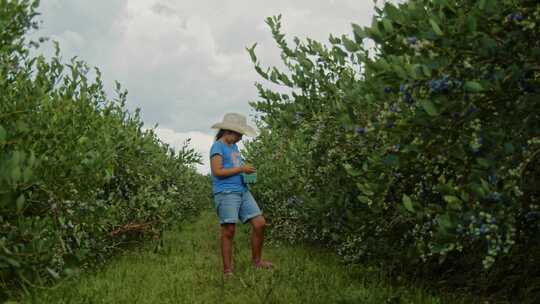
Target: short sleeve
216,149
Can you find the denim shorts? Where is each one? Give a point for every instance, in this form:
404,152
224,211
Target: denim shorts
233,205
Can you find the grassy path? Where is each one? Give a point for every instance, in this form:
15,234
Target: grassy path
188,270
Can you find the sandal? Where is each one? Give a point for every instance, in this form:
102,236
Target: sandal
227,274
263,264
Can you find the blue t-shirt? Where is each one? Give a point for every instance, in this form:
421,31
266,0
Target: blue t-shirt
231,158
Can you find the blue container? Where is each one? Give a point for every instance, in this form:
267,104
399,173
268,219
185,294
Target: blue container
249,178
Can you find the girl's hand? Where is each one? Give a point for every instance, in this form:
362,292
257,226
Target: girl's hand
248,169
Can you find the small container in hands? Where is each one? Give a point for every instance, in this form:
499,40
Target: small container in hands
249,178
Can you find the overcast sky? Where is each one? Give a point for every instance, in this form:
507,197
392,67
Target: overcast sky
184,62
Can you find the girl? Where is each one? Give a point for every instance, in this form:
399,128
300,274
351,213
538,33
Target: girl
231,195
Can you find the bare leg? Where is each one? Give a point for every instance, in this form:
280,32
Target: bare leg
227,235
257,238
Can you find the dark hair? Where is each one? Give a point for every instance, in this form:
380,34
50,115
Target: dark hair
222,132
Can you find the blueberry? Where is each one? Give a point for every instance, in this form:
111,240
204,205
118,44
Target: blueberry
492,178
494,196
532,216
412,40
518,17
483,229
388,90
480,140
293,201
515,17
471,110
408,98
526,87
360,131
439,85
298,116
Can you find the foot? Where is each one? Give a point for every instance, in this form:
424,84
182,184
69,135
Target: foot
227,273
263,264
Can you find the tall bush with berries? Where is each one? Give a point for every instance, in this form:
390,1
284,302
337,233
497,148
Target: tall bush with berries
420,148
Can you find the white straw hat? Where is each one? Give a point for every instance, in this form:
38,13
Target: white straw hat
235,122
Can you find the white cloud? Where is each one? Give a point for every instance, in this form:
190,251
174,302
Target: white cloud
184,63
70,40
201,143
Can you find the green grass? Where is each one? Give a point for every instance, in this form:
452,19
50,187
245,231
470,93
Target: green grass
189,270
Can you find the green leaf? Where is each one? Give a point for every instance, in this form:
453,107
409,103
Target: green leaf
20,203
429,107
261,72
363,199
407,202
53,273
472,24
445,222
436,27
391,160
12,262
27,174
441,2
350,45
508,148
426,70
22,126
392,12
411,69
359,33
388,27
482,4
453,202
473,86
16,174
32,159
488,5
374,31
351,171
3,134
478,190
365,188
16,157
483,162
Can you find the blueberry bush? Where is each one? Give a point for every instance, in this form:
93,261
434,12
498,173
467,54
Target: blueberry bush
79,176
418,150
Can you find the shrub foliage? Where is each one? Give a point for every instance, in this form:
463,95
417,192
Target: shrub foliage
79,175
419,152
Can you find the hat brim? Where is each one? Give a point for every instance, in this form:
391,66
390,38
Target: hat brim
248,130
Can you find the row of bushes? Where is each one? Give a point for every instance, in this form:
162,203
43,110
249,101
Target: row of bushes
79,176
420,153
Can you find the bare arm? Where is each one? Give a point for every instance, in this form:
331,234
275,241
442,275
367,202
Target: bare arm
216,164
